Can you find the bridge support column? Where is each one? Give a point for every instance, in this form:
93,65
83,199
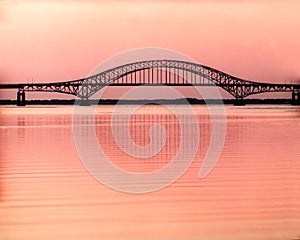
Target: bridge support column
296,97
84,102
239,102
21,101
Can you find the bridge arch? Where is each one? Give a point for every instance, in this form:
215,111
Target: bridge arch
200,75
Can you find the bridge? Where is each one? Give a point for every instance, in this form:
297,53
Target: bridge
156,73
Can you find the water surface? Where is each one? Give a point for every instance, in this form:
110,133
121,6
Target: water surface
252,193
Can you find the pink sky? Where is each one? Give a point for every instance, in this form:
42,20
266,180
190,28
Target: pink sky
62,40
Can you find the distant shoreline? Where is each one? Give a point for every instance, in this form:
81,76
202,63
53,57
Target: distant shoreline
152,101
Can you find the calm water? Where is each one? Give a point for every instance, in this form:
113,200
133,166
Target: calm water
252,193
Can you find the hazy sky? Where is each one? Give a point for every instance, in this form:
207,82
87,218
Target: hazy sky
63,40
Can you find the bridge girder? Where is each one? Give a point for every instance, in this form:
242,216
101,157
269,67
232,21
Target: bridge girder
86,87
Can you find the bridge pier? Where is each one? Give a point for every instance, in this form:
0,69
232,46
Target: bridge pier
84,102
21,101
296,96
239,102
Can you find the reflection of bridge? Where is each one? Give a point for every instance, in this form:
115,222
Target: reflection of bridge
157,73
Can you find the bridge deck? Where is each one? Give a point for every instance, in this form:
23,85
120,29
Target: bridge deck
6,86
22,85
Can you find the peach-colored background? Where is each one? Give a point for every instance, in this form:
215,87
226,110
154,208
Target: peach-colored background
48,41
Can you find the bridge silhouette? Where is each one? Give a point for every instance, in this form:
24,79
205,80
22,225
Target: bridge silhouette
156,73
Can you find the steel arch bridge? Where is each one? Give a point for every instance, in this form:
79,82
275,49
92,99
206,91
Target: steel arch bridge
157,73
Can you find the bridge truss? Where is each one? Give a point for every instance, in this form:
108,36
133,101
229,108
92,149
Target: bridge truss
157,73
